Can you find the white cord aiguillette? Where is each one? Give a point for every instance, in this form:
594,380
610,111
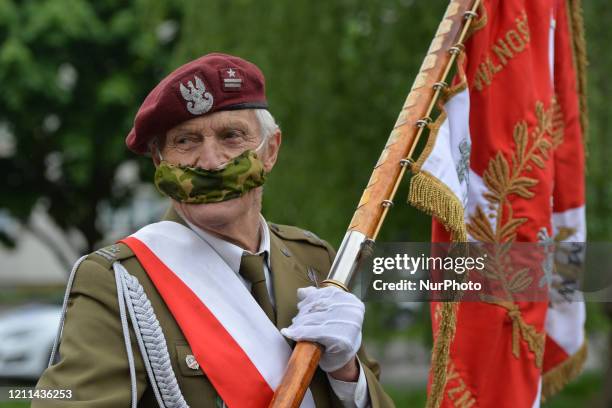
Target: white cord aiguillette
151,340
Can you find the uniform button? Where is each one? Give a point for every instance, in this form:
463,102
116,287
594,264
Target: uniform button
285,252
192,362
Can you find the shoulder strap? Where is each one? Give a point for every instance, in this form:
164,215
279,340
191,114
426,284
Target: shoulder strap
291,233
108,255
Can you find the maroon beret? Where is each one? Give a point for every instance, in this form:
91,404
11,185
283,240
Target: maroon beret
211,83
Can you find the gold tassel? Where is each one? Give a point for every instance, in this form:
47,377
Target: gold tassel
576,23
432,197
441,351
429,195
557,378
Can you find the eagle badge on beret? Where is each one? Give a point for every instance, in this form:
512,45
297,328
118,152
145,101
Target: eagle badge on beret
198,100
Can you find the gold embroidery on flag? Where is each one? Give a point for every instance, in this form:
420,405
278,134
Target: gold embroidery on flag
558,124
505,48
504,178
516,41
520,329
502,51
458,393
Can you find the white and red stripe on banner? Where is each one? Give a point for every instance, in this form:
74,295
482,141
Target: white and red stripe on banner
239,349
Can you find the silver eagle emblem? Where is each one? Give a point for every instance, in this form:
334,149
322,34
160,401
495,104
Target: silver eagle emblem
198,100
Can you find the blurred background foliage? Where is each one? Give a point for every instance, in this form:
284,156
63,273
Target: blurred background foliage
73,73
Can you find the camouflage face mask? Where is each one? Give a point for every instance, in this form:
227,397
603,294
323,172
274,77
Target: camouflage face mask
195,185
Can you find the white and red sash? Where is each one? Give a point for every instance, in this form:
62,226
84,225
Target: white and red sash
239,349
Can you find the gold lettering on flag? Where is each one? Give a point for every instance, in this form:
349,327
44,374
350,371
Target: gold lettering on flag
458,392
505,48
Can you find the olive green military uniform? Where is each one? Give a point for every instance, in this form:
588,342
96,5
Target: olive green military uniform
93,360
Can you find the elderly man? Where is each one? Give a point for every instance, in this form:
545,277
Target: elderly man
201,309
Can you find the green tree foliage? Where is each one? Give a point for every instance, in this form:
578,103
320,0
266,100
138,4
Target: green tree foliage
73,73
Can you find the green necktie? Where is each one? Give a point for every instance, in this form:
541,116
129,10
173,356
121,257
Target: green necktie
252,269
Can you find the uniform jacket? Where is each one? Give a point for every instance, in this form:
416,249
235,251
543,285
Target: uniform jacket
93,360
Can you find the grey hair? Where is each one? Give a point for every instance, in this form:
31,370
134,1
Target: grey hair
267,124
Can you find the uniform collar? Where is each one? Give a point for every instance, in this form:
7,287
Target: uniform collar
232,253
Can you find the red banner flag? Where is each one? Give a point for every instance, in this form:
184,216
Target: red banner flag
508,152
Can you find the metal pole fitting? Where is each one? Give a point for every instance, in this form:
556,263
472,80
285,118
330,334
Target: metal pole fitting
423,122
440,85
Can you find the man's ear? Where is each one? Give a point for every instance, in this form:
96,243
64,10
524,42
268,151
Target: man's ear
154,149
271,150
155,156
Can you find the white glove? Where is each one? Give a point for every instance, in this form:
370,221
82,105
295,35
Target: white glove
332,318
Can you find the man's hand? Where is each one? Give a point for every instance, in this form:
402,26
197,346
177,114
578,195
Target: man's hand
332,318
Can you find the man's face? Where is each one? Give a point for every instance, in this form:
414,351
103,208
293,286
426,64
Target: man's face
209,142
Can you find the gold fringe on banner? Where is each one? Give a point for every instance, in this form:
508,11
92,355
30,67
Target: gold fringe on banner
434,198
431,196
576,23
441,352
557,378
